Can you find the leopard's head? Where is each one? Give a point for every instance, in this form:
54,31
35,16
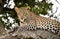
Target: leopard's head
22,13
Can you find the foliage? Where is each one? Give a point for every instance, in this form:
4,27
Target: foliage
37,7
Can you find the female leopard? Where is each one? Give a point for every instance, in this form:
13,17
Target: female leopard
30,21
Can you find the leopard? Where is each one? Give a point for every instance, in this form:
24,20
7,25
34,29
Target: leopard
30,21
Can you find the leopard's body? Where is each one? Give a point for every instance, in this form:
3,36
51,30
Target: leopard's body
30,21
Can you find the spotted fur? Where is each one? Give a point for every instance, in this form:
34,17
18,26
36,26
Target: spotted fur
30,21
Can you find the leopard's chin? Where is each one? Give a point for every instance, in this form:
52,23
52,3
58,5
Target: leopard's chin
21,20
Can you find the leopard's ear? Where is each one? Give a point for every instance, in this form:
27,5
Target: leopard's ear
17,9
27,8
